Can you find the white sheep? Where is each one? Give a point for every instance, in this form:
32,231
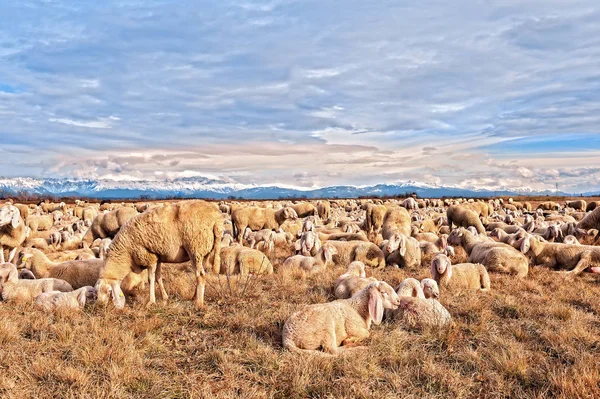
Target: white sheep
461,276
74,300
14,289
352,281
312,264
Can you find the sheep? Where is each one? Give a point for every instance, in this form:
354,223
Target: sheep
338,325
74,300
49,207
571,240
430,288
591,221
464,217
469,276
13,289
77,273
495,256
352,281
176,232
592,205
343,237
410,203
396,221
428,248
243,261
304,209
579,205
576,258
548,206
350,251
324,209
374,218
404,252
254,237
104,247
108,224
39,222
258,219
415,310
13,231
308,244
514,240
89,214
313,264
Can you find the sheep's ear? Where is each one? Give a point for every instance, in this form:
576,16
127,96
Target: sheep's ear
117,295
13,275
16,218
525,245
376,306
402,248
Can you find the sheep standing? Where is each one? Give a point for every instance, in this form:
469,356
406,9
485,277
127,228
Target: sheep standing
464,217
174,233
340,324
74,300
258,219
469,276
108,224
591,221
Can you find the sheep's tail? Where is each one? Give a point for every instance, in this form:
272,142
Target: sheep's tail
215,252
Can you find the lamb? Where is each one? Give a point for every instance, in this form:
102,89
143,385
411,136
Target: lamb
258,219
13,289
404,252
312,264
577,258
514,240
338,325
396,221
428,248
108,224
254,237
571,240
13,231
591,221
39,222
416,311
468,276
350,251
77,273
74,300
464,217
174,233
354,280
243,261
308,244
495,256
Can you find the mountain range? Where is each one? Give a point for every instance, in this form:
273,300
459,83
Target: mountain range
203,187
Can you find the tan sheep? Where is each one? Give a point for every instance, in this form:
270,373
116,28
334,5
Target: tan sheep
258,219
174,233
74,300
575,258
354,280
415,310
591,221
39,222
26,290
404,252
13,231
578,205
312,264
495,256
240,260
254,237
464,217
304,209
324,209
350,251
468,276
374,218
108,224
338,325
396,221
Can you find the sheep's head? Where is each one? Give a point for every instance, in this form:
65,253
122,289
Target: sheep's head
289,213
381,296
10,214
8,273
430,288
443,241
456,236
107,288
439,264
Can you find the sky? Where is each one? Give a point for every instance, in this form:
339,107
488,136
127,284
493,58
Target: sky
479,94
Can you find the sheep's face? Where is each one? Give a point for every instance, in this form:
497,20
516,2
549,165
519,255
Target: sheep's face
456,236
290,213
110,288
430,288
393,243
10,214
391,300
440,263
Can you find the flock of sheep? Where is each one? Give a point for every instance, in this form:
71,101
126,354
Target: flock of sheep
60,256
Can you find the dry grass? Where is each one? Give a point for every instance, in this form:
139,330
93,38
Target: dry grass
538,337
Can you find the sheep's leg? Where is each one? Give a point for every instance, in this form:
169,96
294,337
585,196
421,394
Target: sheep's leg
151,279
584,263
200,280
161,285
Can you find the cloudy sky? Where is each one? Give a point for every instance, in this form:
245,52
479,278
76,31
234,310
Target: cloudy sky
305,93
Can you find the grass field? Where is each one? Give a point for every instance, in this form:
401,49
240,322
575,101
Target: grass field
539,337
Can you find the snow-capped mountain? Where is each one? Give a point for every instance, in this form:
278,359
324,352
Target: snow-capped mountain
202,187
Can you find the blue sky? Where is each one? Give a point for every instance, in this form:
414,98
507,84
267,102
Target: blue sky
305,93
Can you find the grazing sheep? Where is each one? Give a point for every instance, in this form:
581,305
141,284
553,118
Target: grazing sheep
243,261
13,289
324,209
575,258
354,280
39,222
304,209
107,225
174,233
374,218
578,205
74,300
338,325
258,219
495,256
468,276
464,217
13,231
75,272
404,252
312,264
350,251
549,206
396,221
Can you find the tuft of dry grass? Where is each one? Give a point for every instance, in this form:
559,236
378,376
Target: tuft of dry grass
538,337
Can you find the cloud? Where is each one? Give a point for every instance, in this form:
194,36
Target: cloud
264,91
